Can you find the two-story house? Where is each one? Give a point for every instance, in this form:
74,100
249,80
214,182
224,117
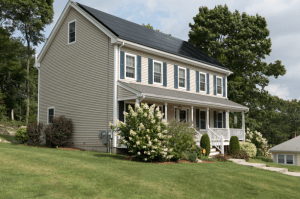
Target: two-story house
94,65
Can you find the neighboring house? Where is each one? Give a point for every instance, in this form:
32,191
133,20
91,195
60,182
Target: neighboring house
288,152
94,65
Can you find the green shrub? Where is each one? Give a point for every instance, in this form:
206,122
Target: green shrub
240,155
181,138
196,149
190,156
249,148
59,132
145,134
35,132
206,158
22,135
259,152
265,159
234,144
205,144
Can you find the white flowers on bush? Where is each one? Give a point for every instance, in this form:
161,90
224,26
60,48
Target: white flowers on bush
144,133
257,139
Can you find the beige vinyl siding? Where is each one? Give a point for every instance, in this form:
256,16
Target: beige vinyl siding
170,72
123,93
74,80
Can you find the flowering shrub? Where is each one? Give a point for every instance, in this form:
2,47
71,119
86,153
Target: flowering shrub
145,133
260,142
249,148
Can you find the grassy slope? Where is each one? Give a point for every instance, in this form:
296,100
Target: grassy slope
7,137
30,172
291,168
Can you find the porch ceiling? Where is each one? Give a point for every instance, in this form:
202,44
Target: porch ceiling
174,96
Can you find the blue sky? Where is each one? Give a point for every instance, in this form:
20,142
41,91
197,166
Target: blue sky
173,17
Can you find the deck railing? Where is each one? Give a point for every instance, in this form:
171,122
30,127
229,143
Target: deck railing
240,133
216,140
221,131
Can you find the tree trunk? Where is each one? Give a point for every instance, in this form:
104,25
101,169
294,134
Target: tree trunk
12,115
27,88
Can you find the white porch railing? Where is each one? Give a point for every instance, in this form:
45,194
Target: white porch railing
216,140
198,137
240,133
221,131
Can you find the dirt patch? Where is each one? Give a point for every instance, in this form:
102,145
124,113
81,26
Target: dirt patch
130,158
65,148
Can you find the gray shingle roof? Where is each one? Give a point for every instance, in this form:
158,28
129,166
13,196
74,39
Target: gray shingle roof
141,35
184,96
292,145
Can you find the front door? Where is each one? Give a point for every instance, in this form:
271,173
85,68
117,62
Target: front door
182,115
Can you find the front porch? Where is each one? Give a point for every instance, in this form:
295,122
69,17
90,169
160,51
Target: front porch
206,114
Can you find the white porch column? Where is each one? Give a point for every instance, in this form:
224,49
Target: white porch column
192,115
115,97
243,123
177,115
227,124
207,118
166,111
138,101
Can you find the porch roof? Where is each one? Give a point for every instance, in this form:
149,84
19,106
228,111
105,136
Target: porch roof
174,96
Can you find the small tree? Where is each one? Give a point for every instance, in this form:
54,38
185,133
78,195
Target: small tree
145,133
234,145
205,143
35,131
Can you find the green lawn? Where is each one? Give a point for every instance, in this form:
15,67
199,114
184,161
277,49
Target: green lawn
31,172
271,164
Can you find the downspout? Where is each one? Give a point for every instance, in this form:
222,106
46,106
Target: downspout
108,147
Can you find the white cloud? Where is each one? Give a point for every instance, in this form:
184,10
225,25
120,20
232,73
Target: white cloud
279,90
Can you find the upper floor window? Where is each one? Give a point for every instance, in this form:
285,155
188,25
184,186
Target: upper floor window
202,82
182,77
219,85
130,66
50,115
72,31
158,71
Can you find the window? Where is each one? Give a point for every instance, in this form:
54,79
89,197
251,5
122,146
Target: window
181,77
72,30
130,66
219,85
220,119
50,114
202,82
157,72
202,119
289,159
280,159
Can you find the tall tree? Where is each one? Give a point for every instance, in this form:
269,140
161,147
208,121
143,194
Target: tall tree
240,42
30,17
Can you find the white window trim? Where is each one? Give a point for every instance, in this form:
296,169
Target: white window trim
218,119
285,159
69,31
135,66
221,85
179,67
205,120
182,109
162,72
205,87
48,113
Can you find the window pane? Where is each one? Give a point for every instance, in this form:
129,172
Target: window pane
181,82
130,72
182,73
72,27
50,114
220,120
202,120
281,159
71,32
202,115
130,61
202,78
203,124
219,89
202,86
219,82
157,67
289,159
157,77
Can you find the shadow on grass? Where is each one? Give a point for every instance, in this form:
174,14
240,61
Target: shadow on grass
108,155
8,137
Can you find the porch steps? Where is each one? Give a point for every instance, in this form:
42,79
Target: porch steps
213,152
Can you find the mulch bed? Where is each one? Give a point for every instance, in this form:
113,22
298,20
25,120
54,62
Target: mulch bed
65,148
130,158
